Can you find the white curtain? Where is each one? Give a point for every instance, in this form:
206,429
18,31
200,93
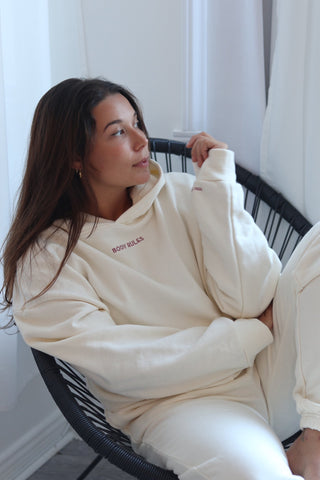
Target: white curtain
24,48
291,141
36,51
236,76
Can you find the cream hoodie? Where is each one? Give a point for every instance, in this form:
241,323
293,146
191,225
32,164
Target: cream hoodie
145,305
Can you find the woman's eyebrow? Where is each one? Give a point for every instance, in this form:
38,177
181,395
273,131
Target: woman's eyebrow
114,122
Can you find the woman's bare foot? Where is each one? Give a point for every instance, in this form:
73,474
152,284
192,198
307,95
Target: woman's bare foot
304,455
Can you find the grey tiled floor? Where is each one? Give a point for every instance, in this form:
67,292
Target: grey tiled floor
71,461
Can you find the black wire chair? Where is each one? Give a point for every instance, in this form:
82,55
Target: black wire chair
283,226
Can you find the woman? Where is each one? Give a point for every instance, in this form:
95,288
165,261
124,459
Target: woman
154,286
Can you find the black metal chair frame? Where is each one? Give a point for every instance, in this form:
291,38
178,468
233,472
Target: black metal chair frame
81,409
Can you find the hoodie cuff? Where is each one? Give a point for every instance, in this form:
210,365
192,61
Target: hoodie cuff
218,166
310,421
253,335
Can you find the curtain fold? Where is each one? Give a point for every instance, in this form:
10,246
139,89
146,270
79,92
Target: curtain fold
7,343
36,51
25,75
236,76
291,142
227,48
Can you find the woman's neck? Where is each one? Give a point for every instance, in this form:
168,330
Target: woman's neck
113,204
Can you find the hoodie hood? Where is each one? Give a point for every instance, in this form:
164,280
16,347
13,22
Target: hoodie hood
144,195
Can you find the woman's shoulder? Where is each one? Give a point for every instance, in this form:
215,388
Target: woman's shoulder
40,263
48,245
180,180
56,234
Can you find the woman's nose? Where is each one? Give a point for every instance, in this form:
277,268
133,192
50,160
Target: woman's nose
140,139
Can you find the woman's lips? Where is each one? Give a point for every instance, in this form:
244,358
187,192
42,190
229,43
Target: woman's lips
143,163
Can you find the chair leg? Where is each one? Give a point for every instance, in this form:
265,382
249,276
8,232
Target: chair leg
90,467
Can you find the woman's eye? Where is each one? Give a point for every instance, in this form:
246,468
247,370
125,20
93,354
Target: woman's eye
118,132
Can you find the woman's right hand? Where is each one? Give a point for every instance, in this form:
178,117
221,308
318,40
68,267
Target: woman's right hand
267,318
200,144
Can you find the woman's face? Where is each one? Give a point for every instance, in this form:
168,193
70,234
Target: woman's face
119,156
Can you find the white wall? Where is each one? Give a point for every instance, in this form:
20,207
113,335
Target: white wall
31,432
139,44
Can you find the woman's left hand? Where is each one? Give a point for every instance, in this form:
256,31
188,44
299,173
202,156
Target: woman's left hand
200,144
266,317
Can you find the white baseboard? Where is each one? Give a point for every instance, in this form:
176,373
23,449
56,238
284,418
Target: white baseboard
32,450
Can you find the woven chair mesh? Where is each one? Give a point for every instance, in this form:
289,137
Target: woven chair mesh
86,415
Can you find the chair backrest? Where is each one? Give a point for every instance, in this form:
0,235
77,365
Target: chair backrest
283,225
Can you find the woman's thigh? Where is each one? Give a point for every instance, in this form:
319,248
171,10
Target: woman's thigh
210,438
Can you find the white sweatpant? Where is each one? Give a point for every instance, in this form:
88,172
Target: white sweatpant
213,438
233,434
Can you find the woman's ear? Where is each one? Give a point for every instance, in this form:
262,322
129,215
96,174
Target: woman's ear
77,164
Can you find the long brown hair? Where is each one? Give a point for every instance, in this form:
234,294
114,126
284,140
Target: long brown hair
62,132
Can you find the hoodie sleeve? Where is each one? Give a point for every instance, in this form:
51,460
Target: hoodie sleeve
70,322
240,269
